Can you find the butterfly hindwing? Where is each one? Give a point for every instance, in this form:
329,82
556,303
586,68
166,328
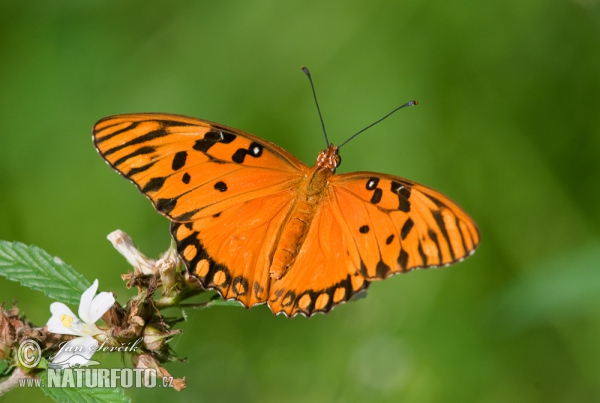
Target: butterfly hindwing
398,225
326,271
191,168
229,251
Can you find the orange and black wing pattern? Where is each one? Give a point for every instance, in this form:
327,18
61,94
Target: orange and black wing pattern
394,225
191,168
325,272
226,192
231,195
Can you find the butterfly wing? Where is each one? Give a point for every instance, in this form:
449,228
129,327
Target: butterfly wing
230,251
368,227
397,225
226,192
191,168
326,271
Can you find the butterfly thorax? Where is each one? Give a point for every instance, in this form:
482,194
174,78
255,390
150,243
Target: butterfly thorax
310,193
329,159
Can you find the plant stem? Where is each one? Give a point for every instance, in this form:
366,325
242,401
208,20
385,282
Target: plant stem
12,381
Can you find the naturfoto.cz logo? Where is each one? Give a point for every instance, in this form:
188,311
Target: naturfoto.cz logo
100,378
29,355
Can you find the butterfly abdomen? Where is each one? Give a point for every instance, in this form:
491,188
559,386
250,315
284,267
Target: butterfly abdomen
291,238
296,227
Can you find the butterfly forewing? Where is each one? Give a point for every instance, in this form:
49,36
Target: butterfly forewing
192,168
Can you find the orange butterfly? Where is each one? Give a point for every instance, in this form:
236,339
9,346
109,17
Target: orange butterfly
256,224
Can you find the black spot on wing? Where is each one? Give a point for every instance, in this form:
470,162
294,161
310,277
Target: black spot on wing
403,193
186,216
404,205
363,270
221,186
258,290
377,192
372,183
179,160
211,138
288,299
389,239
186,178
239,156
154,184
166,205
408,225
403,260
240,286
254,150
276,295
382,270
376,196
364,229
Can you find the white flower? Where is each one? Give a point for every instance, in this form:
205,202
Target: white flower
63,321
124,245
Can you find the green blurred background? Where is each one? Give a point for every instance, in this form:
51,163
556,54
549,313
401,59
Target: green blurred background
507,125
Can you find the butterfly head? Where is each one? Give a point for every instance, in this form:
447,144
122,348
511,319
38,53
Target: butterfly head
329,159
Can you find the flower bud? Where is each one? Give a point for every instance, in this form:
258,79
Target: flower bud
168,275
124,245
155,336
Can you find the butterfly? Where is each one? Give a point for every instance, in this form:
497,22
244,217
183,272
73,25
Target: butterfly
256,224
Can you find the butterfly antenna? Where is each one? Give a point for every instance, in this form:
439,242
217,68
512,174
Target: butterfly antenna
409,103
305,70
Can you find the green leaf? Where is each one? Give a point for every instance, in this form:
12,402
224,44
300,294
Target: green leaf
83,394
3,367
36,269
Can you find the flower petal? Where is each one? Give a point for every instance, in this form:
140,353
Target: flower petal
86,302
63,320
77,351
100,304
